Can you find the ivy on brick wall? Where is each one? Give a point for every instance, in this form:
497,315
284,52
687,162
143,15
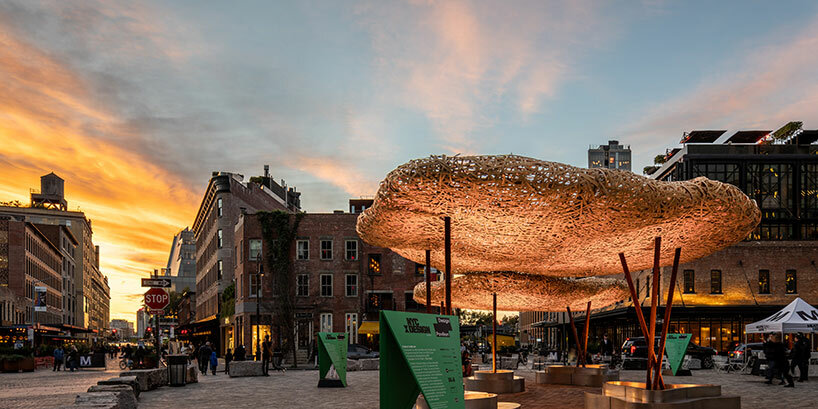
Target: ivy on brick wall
279,229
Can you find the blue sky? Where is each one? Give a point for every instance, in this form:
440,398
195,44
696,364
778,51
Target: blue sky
135,103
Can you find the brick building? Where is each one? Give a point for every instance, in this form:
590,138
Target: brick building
225,198
341,282
717,295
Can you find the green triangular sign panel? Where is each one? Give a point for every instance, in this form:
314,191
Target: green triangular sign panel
420,353
676,347
332,354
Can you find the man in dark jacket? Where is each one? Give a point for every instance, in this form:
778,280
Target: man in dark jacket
240,353
204,357
776,354
800,357
606,346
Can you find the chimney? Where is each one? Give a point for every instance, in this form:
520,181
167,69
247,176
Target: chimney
266,171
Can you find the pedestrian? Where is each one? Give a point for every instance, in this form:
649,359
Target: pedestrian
265,355
240,353
204,357
214,362
777,361
800,357
59,355
607,346
228,357
73,357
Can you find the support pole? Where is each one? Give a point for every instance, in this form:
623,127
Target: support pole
654,298
447,249
637,305
428,282
657,381
576,337
587,329
494,334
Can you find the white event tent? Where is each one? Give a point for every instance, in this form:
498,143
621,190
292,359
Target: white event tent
798,316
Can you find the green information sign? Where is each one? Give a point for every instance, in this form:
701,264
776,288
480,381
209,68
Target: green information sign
675,348
420,353
332,359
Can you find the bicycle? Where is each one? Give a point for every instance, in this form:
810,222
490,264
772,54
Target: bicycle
125,363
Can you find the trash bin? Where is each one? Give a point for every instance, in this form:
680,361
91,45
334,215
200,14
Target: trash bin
177,370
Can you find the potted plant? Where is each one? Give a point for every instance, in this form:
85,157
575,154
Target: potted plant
11,363
27,364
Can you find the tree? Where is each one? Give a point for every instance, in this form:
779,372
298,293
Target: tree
474,317
511,320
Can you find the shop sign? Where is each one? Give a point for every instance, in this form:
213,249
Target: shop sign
676,347
332,359
420,353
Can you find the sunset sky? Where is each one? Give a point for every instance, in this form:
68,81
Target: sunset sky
135,104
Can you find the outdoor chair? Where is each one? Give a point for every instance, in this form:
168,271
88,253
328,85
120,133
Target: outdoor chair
722,364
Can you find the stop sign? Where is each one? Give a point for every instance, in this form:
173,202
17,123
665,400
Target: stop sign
156,299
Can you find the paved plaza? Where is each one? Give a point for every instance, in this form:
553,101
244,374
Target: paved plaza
297,389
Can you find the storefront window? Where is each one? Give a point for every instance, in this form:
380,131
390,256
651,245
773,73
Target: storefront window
264,331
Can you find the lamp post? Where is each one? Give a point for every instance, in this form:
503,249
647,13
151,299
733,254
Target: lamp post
259,292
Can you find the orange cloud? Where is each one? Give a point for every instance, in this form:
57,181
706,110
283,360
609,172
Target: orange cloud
48,122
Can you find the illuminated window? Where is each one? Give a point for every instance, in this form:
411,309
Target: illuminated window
326,249
791,282
689,282
255,249
303,249
351,285
326,285
352,250
715,281
219,269
303,285
219,210
374,265
763,281
219,238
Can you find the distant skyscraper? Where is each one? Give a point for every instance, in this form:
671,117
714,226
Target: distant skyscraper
611,156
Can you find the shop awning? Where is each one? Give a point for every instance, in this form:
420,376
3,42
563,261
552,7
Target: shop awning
369,327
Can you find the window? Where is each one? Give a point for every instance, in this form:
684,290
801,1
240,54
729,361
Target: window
219,209
715,281
219,238
254,288
219,269
303,285
351,285
352,250
763,281
420,269
351,329
791,282
255,250
689,282
326,249
326,322
326,285
303,249
374,265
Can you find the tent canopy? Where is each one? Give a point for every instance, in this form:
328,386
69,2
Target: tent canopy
798,316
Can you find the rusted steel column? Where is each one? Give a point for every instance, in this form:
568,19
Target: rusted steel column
494,334
654,299
587,329
658,382
574,331
447,249
637,305
428,283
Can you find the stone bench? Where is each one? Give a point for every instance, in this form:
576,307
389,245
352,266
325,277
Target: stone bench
103,400
124,380
367,364
124,393
246,368
149,379
192,374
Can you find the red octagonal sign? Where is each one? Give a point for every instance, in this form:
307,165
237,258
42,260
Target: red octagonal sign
156,299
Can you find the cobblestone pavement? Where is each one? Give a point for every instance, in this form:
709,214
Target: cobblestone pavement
44,388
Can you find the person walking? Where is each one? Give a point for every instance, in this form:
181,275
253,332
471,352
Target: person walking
606,346
73,357
228,357
777,360
59,355
265,355
214,362
800,357
204,357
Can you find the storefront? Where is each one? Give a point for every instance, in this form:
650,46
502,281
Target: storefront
199,332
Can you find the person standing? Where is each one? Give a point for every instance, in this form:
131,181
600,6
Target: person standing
214,362
204,357
240,353
800,357
228,357
73,357
265,355
777,360
59,355
607,346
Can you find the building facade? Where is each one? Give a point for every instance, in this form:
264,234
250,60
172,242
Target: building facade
181,266
226,197
610,156
341,282
717,295
124,329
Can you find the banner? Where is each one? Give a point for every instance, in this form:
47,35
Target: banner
420,353
675,348
39,298
332,359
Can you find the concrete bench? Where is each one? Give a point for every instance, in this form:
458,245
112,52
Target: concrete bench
149,379
124,380
246,368
105,400
124,394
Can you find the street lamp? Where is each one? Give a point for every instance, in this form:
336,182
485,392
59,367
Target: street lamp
259,278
